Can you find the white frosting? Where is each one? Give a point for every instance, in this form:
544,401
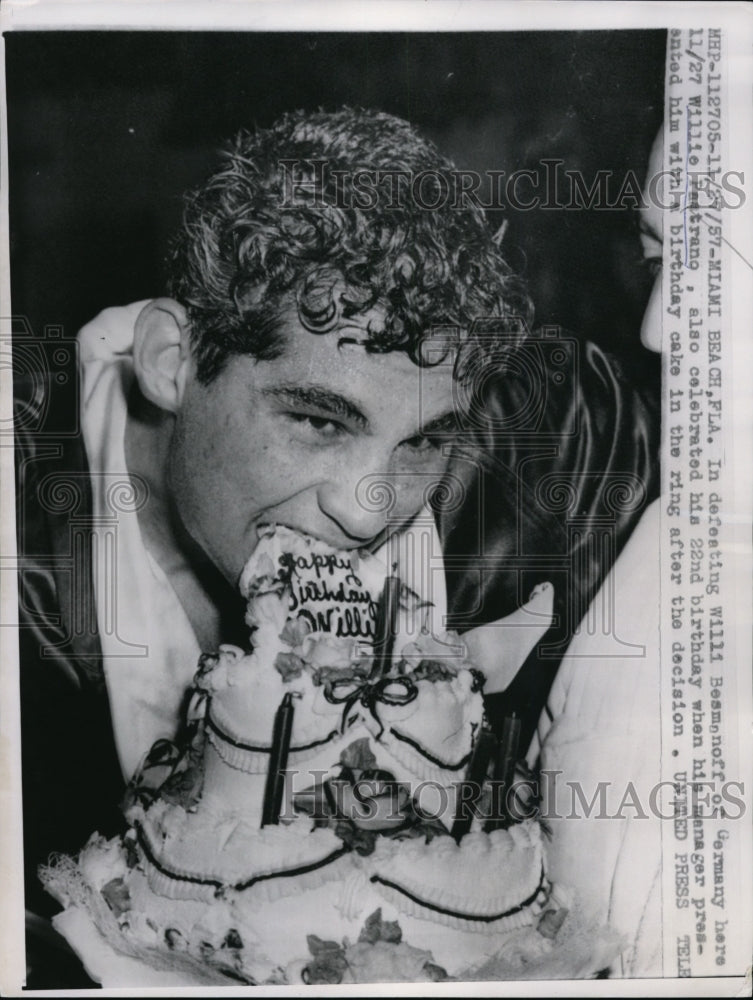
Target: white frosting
210,869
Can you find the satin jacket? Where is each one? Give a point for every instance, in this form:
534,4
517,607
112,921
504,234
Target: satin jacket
566,469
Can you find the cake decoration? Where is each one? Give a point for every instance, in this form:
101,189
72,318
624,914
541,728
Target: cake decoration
313,822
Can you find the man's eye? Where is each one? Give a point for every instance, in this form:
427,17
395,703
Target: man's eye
423,444
321,426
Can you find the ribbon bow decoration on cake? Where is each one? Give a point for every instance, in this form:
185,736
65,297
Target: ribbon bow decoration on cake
370,692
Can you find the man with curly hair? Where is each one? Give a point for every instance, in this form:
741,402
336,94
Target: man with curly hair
338,311
320,318
309,350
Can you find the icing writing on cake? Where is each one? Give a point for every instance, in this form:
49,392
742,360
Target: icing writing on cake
326,591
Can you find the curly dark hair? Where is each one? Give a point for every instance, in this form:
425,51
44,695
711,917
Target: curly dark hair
329,214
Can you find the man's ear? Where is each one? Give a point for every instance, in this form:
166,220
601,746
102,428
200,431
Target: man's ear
161,352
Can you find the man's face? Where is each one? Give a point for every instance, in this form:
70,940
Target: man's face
300,440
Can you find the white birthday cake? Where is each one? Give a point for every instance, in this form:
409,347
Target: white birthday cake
312,825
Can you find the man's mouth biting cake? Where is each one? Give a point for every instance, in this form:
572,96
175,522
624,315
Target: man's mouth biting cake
312,824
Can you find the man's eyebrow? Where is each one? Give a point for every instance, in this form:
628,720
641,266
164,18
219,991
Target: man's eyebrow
318,398
448,423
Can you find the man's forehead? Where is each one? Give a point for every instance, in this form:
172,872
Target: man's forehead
339,362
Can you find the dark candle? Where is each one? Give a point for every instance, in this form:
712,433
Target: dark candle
504,770
486,744
386,627
278,761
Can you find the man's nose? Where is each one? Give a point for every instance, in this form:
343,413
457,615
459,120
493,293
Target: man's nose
359,503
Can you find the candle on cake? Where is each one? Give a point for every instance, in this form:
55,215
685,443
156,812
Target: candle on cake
278,761
386,627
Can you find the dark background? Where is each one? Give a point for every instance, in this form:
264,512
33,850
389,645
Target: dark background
106,130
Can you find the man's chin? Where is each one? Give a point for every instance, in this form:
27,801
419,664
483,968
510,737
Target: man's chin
379,541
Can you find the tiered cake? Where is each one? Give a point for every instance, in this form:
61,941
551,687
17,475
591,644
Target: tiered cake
306,827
